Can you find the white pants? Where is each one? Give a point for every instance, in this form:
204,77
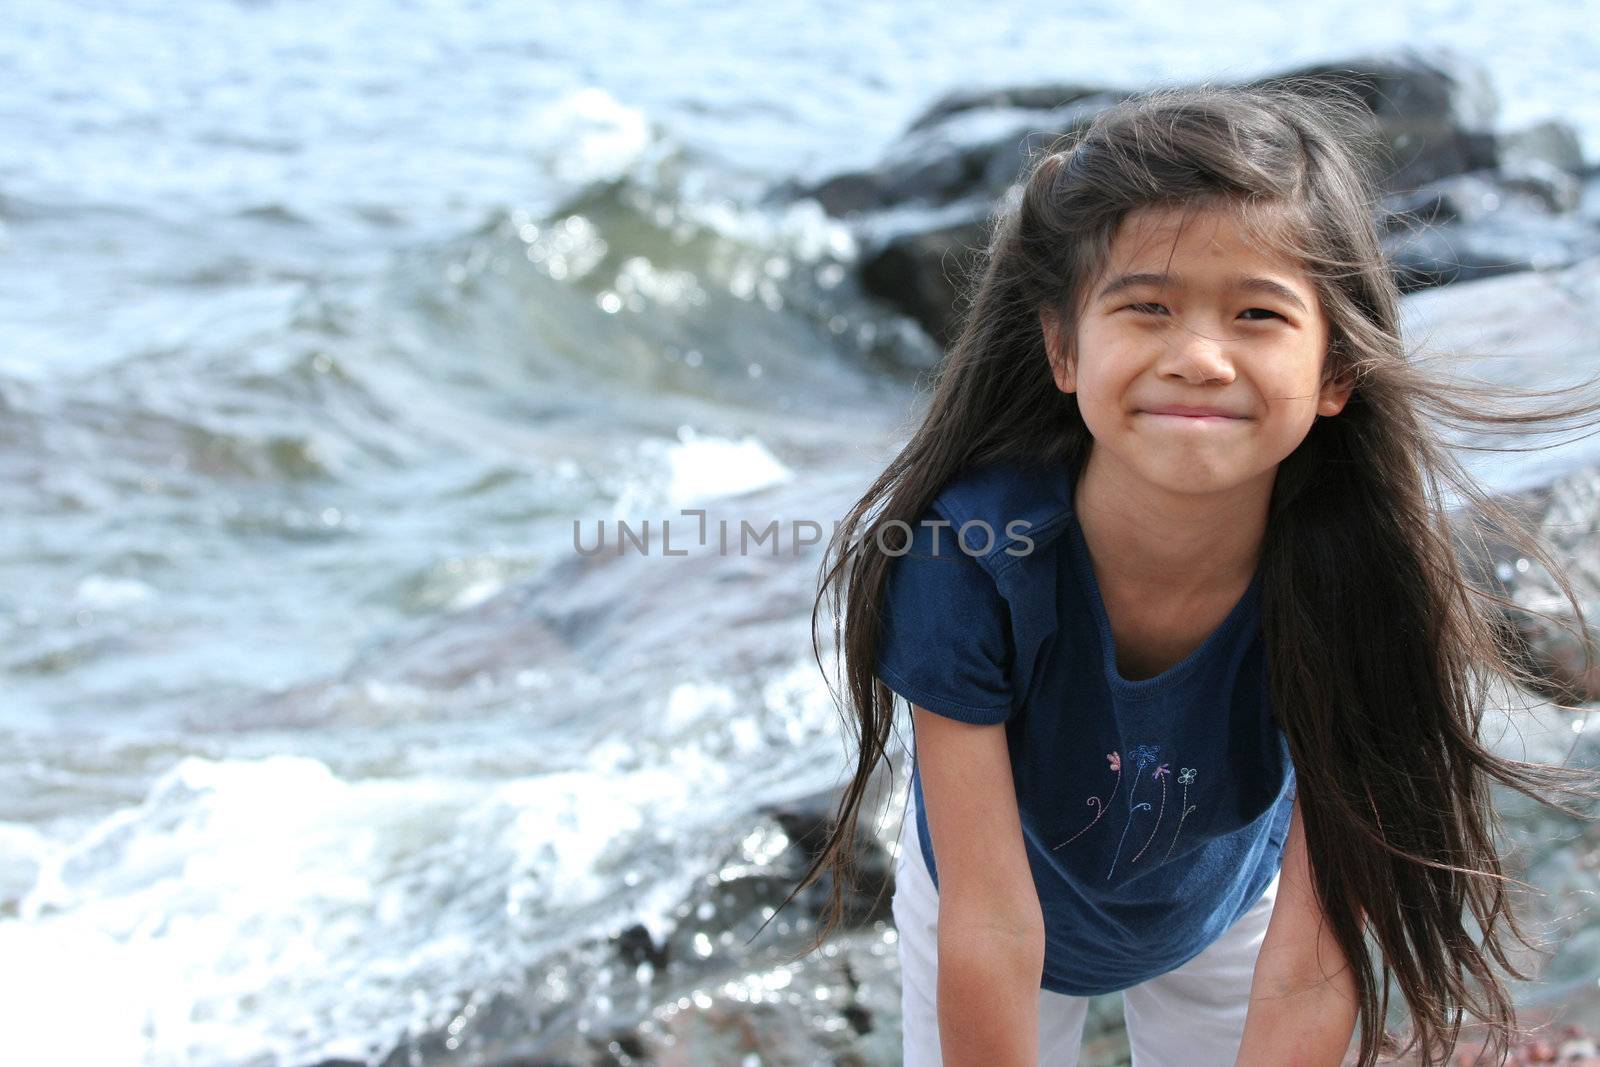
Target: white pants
1189,1017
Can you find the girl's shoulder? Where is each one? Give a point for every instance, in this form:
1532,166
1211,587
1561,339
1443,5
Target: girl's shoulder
1007,507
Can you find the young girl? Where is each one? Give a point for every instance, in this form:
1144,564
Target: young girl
1194,672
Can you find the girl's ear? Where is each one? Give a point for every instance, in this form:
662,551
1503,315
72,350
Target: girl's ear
1335,393
1055,349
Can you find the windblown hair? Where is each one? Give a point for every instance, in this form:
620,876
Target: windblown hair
1380,649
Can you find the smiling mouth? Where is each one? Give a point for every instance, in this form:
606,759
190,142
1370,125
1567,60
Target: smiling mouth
1176,417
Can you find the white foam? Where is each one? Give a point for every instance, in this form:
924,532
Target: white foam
101,592
691,702
696,469
588,135
57,975
270,906
703,468
22,851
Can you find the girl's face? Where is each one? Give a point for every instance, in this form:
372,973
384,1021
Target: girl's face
1191,314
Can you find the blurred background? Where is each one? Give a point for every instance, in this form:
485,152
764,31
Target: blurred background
322,328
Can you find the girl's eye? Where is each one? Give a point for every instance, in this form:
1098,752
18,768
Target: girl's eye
1153,308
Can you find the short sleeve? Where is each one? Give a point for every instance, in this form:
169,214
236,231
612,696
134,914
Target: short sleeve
945,642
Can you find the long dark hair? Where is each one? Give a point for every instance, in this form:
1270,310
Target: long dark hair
1380,649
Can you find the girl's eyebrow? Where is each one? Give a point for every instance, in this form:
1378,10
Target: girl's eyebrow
1248,284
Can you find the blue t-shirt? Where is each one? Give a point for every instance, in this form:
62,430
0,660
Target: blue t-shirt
1154,811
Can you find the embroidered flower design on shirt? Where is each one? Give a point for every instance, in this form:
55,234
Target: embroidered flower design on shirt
1143,755
1115,760
1185,777
1161,774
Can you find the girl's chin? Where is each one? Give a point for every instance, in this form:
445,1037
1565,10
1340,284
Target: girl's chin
1183,479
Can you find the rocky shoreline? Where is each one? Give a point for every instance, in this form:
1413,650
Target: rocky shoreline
1461,201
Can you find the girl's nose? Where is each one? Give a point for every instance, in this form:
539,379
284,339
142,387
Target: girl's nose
1198,358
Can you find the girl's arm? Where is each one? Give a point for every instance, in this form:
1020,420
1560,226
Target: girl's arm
991,930
1302,997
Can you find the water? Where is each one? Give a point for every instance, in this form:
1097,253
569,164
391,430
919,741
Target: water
318,329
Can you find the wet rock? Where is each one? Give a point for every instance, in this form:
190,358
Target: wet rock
1552,141
1540,184
1532,330
1561,649
1511,243
900,345
1486,223
1435,109
956,152
716,982
843,1008
923,273
1529,186
1030,97
1464,202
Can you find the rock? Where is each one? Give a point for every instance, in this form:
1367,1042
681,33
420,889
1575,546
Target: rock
1531,330
1552,141
1544,184
715,986
1511,243
846,194
1454,213
1030,97
1436,257
842,1008
806,822
922,273
1485,223
966,153
1435,109
901,345
1530,186
1556,649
